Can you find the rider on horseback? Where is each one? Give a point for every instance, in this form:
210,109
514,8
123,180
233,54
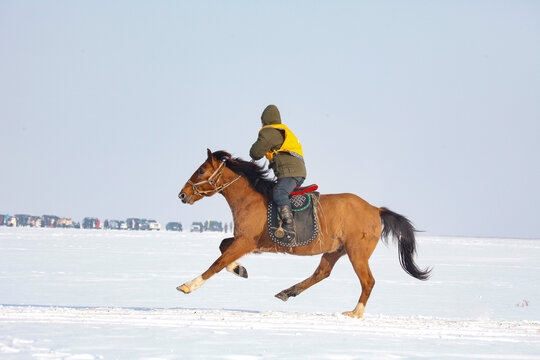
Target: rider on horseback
284,152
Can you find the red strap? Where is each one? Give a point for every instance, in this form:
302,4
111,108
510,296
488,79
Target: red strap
306,190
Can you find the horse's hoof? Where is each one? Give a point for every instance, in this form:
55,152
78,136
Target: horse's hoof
282,296
184,289
241,271
352,314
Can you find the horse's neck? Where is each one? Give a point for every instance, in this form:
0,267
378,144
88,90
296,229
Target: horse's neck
241,195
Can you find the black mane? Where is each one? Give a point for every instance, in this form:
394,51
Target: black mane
254,173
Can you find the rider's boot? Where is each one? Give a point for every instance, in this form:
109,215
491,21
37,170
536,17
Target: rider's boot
286,215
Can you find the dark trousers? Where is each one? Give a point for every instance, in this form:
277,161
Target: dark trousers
283,189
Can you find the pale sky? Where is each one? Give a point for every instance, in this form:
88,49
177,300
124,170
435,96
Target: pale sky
429,108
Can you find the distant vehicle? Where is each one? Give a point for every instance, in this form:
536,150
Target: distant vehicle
173,226
22,219
49,221
64,223
153,225
111,224
91,223
211,225
133,223
122,225
196,226
144,225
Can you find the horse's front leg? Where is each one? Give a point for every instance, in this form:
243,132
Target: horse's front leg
237,248
233,267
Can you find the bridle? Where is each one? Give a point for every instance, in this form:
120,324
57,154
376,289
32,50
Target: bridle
212,180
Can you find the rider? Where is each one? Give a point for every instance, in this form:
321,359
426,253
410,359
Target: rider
284,152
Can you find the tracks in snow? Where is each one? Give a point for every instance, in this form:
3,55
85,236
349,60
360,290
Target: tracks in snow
221,320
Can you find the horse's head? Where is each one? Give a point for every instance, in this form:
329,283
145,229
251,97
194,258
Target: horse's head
207,180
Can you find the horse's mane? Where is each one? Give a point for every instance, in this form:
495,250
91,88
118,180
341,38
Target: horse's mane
254,173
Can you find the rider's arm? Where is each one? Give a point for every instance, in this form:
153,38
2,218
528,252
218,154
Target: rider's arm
268,139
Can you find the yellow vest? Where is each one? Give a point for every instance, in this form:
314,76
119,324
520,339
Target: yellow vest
290,145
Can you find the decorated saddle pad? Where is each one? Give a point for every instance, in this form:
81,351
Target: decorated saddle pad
304,211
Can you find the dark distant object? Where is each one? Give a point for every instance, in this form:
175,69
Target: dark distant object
144,225
111,224
23,219
91,223
2,220
115,225
173,226
49,221
133,223
196,226
211,225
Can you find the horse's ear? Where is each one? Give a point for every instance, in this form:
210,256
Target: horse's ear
211,159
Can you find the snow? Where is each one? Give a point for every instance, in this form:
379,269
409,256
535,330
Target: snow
96,294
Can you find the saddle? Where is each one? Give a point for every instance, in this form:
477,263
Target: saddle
304,204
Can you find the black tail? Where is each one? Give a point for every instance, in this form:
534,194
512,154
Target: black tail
402,231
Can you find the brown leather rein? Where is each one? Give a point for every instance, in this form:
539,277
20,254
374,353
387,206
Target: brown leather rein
212,180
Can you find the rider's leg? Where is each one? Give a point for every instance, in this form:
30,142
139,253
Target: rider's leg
282,190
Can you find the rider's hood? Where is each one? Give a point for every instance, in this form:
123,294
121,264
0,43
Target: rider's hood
270,116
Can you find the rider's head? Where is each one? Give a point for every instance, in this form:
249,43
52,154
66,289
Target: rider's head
270,116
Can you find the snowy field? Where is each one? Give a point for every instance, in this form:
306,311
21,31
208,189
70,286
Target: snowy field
96,294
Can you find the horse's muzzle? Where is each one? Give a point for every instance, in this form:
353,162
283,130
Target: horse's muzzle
182,196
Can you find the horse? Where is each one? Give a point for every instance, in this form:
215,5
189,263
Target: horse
347,225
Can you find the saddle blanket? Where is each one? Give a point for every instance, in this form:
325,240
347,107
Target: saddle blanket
304,204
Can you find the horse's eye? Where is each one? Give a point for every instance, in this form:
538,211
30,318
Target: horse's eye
201,171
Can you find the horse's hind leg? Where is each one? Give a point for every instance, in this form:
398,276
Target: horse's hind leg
328,261
359,256
233,267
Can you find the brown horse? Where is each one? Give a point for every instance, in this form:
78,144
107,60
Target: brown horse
347,225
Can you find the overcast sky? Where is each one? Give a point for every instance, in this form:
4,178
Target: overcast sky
429,108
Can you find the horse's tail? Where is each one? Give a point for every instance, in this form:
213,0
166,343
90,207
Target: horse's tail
402,231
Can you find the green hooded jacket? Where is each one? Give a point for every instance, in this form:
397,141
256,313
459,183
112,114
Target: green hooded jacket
269,139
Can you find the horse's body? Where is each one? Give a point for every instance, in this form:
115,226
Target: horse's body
347,225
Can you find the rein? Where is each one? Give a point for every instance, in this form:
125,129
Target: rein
212,180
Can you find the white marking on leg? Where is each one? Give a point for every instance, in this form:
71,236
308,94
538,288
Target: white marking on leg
232,266
195,283
359,310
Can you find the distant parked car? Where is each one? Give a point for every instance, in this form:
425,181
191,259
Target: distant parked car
122,225
111,224
49,220
173,226
64,223
133,223
91,223
144,225
196,226
22,219
153,225
211,225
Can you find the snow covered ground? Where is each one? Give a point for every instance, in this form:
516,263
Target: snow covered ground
95,294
